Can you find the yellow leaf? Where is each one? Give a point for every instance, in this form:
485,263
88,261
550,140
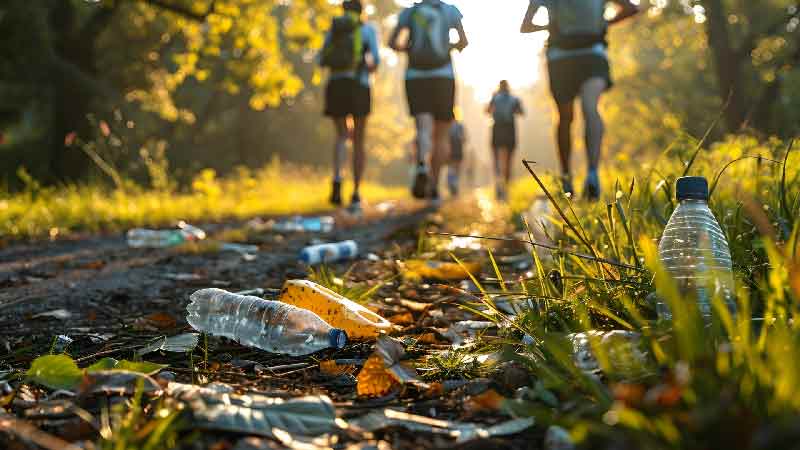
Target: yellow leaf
374,380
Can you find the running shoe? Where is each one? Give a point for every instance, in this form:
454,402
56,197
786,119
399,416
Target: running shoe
420,187
336,193
566,184
591,189
355,204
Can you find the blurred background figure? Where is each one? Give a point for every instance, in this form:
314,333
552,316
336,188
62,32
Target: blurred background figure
458,142
504,109
351,52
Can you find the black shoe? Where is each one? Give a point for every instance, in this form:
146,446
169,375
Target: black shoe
420,187
566,184
355,204
336,193
591,190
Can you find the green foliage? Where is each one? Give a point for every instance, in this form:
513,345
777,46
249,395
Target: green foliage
61,371
733,384
358,292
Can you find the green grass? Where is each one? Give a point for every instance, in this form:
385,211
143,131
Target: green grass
725,385
42,212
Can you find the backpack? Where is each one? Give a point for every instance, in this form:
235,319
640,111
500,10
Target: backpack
345,50
429,46
577,23
505,106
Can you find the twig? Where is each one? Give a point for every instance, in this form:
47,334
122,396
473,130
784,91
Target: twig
29,433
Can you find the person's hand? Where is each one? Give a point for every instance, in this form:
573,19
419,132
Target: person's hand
371,67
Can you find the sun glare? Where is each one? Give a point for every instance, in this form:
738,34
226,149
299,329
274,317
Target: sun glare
497,51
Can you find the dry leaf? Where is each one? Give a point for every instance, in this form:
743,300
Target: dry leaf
794,279
331,368
403,319
487,401
158,321
415,306
374,380
428,338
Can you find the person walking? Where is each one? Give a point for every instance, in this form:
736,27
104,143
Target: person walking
578,67
458,142
351,53
430,84
504,109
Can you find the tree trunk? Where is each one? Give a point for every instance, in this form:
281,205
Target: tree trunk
728,64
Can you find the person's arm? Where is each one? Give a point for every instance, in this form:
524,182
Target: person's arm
321,53
527,23
393,37
375,55
626,11
490,107
462,37
519,110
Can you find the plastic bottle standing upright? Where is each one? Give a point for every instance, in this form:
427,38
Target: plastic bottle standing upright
269,325
695,251
328,253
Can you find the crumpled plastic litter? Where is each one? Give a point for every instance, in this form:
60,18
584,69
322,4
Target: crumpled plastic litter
621,348
557,438
383,371
182,343
461,333
215,407
460,431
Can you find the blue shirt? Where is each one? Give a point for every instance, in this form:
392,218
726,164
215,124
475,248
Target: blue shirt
370,39
452,18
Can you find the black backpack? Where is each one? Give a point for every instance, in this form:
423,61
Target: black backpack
345,50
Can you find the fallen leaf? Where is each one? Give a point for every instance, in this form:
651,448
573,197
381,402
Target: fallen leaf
94,265
403,319
55,372
157,321
415,306
147,368
794,279
428,338
117,382
488,401
332,368
182,343
374,380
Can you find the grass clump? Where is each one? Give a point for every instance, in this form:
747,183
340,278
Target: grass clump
733,383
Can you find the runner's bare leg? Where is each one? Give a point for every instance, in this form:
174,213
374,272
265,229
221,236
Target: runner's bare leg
340,146
359,151
441,150
566,115
591,91
424,123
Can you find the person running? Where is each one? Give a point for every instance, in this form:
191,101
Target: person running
430,84
577,60
504,109
351,52
458,141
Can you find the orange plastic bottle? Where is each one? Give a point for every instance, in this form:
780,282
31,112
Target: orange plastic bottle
338,311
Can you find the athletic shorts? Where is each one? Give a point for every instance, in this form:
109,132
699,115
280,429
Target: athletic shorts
435,96
347,97
504,135
567,75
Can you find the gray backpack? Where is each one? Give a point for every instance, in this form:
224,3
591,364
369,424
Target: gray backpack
429,46
577,23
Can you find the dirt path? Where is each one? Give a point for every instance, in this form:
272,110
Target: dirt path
111,299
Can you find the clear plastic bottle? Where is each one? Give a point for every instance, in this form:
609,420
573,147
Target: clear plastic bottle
299,224
269,325
328,253
143,238
695,251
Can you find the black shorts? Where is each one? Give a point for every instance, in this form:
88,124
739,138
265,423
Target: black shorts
568,75
504,135
435,96
347,97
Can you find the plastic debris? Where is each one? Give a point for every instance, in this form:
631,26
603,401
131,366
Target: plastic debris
143,238
621,348
460,431
182,343
462,332
217,408
339,312
60,314
296,224
61,343
329,253
558,438
265,324
383,371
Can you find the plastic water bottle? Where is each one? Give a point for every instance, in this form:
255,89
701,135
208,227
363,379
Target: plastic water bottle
695,251
328,253
299,224
269,325
143,238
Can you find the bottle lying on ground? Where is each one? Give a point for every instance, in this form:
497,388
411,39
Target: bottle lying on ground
695,251
299,224
142,238
329,253
269,325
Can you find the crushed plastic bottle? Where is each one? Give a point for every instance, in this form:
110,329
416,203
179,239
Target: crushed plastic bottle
143,238
695,251
340,312
329,253
299,224
269,325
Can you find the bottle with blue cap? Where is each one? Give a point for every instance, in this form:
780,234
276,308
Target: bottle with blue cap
695,250
269,325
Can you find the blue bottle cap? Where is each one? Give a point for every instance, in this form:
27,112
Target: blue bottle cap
692,188
337,338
